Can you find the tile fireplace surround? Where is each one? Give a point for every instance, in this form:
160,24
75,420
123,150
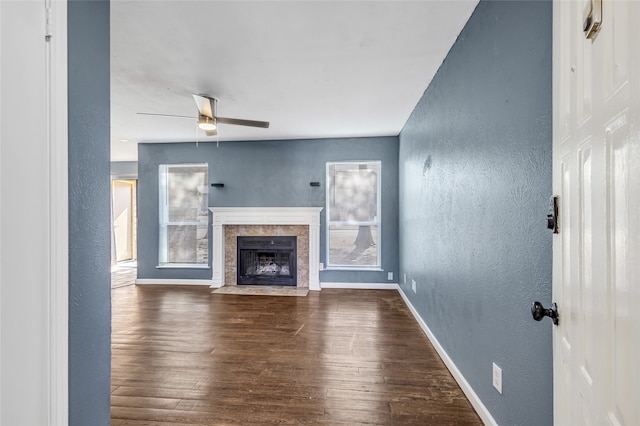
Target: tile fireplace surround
260,218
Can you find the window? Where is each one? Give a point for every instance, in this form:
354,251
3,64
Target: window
184,215
353,215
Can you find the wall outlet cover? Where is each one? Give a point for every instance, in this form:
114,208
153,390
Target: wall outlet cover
497,378
390,276
321,267
414,286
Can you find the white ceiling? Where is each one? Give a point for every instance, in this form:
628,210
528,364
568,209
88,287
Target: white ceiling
313,69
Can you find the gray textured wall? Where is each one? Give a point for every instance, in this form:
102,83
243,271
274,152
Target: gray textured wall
89,279
475,179
268,174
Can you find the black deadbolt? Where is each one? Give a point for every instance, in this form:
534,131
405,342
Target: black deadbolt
552,217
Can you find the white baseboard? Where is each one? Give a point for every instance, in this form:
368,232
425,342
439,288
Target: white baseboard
361,286
158,281
480,408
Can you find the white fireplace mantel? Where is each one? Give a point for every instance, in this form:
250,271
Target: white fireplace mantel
309,216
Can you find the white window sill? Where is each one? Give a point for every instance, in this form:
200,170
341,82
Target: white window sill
353,268
183,266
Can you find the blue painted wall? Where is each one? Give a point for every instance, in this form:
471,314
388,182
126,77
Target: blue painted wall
475,179
268,174
89,244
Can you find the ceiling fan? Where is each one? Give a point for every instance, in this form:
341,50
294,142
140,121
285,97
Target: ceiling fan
208,118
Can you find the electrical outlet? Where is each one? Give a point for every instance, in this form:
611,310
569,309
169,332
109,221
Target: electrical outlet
414,287
405,278
321,267
497,378
390,276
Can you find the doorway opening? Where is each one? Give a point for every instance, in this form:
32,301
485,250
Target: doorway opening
124,221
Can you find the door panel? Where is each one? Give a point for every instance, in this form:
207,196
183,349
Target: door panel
586,315
621,325
617,50
596,273
562,76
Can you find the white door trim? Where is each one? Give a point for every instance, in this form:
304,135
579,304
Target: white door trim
0,219
58,238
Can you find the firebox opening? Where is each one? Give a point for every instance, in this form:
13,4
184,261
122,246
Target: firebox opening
265,260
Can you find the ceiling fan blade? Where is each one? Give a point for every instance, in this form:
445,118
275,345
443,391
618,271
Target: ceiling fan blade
205,105
239,122
166,115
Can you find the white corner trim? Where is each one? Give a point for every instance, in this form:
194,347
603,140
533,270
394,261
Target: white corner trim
158,281
361,286
480,408
56,64
1,144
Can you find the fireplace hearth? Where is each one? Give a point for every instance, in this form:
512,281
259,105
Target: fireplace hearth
266,260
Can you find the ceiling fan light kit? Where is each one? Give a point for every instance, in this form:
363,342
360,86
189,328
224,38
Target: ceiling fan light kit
206,123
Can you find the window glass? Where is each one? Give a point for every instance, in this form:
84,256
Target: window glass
353,215
183,214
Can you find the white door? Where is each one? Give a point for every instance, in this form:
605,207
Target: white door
596,255
33,213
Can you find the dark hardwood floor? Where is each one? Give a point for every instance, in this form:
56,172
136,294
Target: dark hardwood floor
184,356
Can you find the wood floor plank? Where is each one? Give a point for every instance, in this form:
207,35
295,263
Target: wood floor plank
185,356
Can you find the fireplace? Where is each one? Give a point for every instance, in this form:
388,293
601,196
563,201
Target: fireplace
266,260
227,223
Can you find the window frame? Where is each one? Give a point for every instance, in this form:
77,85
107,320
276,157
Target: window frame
163,217
377,222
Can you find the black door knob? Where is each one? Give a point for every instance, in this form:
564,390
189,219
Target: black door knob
539,312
